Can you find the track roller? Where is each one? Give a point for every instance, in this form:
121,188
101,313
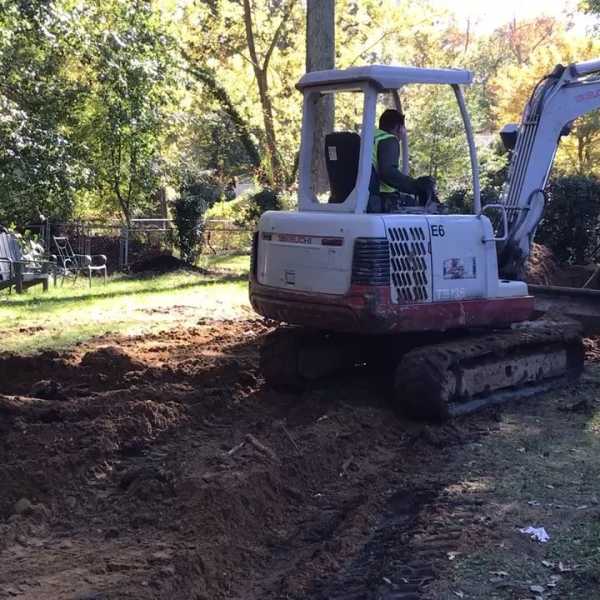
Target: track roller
444,380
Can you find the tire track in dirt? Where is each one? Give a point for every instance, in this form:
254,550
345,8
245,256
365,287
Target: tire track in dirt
417,531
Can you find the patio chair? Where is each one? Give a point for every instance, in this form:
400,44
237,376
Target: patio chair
71,263
20,271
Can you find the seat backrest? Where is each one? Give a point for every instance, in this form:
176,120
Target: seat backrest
342,151
5,252
9,249
65,251
16,251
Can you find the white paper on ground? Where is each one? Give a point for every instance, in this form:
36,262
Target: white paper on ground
539,534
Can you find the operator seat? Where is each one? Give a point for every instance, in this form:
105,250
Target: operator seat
342,153
342,150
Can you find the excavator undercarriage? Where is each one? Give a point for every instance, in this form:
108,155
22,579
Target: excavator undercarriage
434,379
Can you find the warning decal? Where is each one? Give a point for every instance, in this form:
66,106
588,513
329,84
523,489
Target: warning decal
460,268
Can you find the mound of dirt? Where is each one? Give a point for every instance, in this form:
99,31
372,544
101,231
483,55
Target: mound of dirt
163,263
178,475
544,269
110,358
160,263
188,478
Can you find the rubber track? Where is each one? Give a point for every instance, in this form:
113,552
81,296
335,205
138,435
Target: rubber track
422,372
279,359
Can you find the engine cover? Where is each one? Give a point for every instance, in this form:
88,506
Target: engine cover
382,272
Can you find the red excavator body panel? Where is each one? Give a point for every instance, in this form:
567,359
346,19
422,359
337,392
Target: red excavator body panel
369,310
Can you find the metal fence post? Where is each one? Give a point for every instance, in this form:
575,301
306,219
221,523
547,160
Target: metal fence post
124,247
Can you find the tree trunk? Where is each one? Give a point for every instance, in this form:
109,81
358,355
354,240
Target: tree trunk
162,207
125,208
580,160
261,69
277,175
320,55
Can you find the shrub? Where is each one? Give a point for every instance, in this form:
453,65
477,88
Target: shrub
460,201
206,186
571,223
266,199
189,211
229,210
571,227
195,198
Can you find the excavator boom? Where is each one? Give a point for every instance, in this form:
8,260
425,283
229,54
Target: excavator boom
558,99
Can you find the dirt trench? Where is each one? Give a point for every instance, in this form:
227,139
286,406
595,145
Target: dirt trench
161,467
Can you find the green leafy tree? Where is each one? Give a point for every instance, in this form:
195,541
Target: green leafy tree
207,147
437,138
257,51
124,122
233,134
196,196
40,165
590,6
102,103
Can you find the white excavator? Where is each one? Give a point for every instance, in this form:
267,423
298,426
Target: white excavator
438,298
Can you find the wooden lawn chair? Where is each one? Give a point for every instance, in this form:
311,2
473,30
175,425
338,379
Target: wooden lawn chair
19,271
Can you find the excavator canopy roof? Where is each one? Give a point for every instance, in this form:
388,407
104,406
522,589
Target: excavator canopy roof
385,77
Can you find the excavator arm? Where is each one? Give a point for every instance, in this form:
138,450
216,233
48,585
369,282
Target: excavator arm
558,99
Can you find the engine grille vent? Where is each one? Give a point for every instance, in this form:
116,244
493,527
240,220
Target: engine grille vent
409,264
371,261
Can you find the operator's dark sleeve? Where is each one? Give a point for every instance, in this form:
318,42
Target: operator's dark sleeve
388,154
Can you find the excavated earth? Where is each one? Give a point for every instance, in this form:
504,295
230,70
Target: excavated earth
161,467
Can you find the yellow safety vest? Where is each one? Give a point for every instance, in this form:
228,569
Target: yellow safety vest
381,135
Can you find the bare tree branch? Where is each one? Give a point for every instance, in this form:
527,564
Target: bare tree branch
260,73
543,38
381,38
277,34
250,35
372,45
218,92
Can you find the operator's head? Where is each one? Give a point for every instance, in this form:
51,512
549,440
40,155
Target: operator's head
392,121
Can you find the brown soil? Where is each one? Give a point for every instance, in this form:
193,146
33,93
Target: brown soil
161,467
544,269
162,263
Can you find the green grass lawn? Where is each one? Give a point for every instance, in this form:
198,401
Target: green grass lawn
126,305
239,263
539,467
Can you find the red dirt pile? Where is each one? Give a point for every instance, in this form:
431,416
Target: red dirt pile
544,269
164,469
161,467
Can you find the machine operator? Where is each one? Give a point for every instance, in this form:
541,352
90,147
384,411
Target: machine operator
393,184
